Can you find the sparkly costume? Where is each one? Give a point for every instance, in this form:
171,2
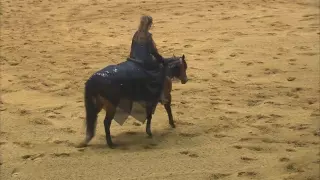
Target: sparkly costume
138,79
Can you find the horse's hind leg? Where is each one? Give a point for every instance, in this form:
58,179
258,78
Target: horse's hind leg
92,110
110,112
149,117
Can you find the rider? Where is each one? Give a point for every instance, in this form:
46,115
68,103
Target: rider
144,51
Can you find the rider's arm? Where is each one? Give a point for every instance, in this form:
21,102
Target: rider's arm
132,41
154,50
131,49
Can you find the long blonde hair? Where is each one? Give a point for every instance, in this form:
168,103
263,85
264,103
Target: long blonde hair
142,33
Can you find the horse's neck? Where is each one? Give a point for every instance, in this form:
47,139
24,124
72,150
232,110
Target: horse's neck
169,73
171,63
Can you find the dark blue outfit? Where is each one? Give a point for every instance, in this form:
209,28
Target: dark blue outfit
140,78
145,53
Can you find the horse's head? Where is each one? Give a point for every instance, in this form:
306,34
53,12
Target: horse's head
177,68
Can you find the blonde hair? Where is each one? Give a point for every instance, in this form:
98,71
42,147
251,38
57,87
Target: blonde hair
142,33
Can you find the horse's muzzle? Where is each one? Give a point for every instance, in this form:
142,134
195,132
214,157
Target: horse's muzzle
184,80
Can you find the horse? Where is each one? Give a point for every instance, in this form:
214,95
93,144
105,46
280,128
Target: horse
175,67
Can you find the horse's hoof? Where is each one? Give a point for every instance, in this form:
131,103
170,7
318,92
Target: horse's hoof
81,145
173,125
149,133
112,146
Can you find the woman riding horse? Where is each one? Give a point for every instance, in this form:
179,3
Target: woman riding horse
145,53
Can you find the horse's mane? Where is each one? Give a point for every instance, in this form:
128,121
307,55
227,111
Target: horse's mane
171,64
171,60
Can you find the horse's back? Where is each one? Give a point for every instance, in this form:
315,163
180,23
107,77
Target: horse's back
125,80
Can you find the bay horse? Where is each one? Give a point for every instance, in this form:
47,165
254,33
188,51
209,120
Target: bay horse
175,67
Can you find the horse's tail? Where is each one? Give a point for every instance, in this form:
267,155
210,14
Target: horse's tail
91,110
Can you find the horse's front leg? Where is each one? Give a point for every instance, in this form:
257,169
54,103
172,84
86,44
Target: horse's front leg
167,106
149,117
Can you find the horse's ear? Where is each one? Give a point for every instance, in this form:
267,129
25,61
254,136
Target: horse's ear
183,57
